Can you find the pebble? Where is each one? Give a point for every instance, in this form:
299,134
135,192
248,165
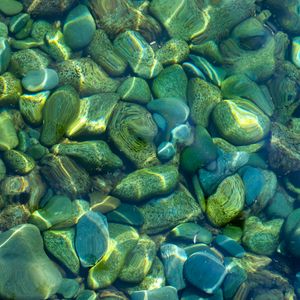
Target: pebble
166,292
69,288
296,51
39,80
166,151
5,54
229,246
10,7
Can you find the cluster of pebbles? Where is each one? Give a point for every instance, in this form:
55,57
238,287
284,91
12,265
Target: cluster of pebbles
149,149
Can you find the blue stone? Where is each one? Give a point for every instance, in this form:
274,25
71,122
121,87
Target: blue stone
194,294
229,246
182,134
173,258
254,181
160,121
91,240
204,271
166,151
87,295
39,80
79,27
5,54
163,293
68,288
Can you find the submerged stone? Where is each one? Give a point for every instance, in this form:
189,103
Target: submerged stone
10,89
229,246
8,134
27,272
5,54
92,238
69,288
11,7
19,162
166,292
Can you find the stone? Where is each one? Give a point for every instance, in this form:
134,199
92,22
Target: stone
10,89
5,54
8,134
228,246
167,292
18,162
11,7
69,288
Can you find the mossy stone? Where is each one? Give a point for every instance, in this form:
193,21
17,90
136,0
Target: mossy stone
8,133
10,89
18,162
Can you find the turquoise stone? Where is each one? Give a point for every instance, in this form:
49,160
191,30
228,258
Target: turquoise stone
91,239
182,134
296,51
166,151
163,293
173,258
69,288
39,80
204,271
79,27
87,295
229,246
126,214
17,22
5,54
193,71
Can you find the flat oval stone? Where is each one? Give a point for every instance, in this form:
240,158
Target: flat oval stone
166,292
204,271
39,80
229,246
79,27
91,239
10,7
5,54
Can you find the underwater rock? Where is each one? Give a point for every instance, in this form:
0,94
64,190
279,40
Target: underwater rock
60,110
159,213
123,240
11,7
227,202
173,258
261,238
94,156
104,54
64,175
8,134
138,53
133,130
27,271
92,238
228,246
10,89
94,115
60,243
166,151
5,54
202,98
85,76
171,83
116,16
146,183
79,27
166,292
204,271
139,261
69,288
240,121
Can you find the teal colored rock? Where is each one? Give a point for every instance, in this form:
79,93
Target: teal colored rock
233,232
173,258
60,110
296,51
171,83
200,153
95,156
139,261
166,292
191,293
91,239
5,54
191,232
262,238
3,29
135,89
56,210
192,71
147,183
79,27
11,7
209,50
182,135
35,81
132,46
26,29
228,246
202,98
69,288
204,271
18,162
17,22
87,295
203,248
126,214
60,243
159,213
27,272
166,151
8,133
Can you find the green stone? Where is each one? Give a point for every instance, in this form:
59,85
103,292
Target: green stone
31,106
25,44
87,295
85,76
59,111
139,261
2,170
3,29
262,238
138,53
103,203
233,232
202,98
123,240
5,54
18,161
60,243
56,210
17,22
79,27
37,151
147,183
171,83
104,54
8,134
10,89
159,214
135,89
25,31
10,7
174,51
69,288
227,202
209,49
94,115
